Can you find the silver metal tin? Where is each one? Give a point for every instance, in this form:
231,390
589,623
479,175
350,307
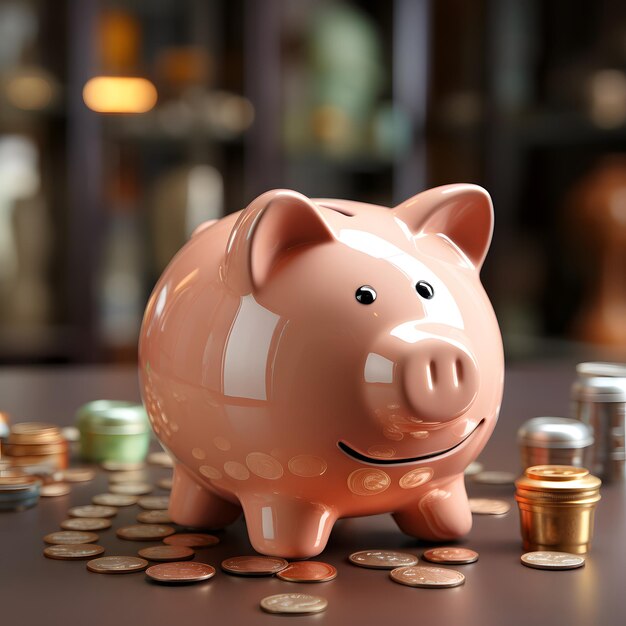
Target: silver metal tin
601,369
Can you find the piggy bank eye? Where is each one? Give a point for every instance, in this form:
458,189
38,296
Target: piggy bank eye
365,294
425,289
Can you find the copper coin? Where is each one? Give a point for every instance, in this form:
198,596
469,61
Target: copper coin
123,466
165,483
308,572
154,517
77,474
117,565
457,556
494,478
138,476
162,459
73,551
70,536
298,603
144,532
487,506
154,503
130,489
191,540
185,572
420,576
552,560
92,510
52,490
86,523
382,559
166,553
114,499
254,565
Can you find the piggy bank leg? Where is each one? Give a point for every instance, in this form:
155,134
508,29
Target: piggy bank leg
442,513
193,505
287,527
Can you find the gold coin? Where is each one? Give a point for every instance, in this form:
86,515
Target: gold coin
487,506
117,565
184,572
70,536
191,540
552,560
154,517
308,572
130,489
457,556
114,499
556,472
254,565
166,553
77,474
421,576
92,510
294,603
123,466
154,503
73,551
162,459
494,478
137,476
165,483
144,532
52,490
382,559
86,523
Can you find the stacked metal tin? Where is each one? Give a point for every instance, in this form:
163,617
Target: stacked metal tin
18,491
36,447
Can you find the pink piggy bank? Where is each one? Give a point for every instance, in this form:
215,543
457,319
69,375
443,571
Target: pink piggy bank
306,360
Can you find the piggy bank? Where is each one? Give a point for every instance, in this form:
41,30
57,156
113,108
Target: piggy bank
306,359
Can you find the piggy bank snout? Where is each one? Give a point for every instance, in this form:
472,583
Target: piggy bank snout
440,379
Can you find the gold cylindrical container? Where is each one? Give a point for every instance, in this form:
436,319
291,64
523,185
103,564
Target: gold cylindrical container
557,505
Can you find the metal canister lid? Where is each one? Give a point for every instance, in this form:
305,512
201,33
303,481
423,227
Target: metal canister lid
112,417
600,389
554,432
558,482
593,369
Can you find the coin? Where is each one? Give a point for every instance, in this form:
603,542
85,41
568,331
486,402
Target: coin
130,489
122,466
52,490
137,476
427,577
254,565
552,560
494,478
382,559
487,506
117,565
154,517
86,523
77,474
160,458
308,572
191,540
114,499
450,555
294,603
70,536
165,483
73,552
154,503
556,472
184,572
473,468
166,553
144,532
92,510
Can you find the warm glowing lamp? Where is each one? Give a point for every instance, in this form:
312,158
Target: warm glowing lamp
119,94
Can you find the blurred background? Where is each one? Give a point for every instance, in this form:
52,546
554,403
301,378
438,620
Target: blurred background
126,123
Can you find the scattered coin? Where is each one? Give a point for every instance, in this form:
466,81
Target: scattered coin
308,572
427,577
52,490
191,540
473,468
382,559
552,560
117,565
165,483
154,517
254,565
70,536
137,476
494,478
160,458
114,499
144,532
77,474
86,523
154,503
92,510
166,553
457,556
70,433
487,506
294,603
185,572
122,466
130,489
73,552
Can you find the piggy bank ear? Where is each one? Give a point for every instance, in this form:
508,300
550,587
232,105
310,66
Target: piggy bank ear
274,224
462,213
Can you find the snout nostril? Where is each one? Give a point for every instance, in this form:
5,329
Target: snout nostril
431,375
457,372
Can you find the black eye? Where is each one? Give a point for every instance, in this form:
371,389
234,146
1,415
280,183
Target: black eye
365,294
425,289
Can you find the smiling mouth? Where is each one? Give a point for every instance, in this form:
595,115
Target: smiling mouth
368,459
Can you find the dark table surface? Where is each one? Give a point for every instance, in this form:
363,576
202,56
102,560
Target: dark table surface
498,589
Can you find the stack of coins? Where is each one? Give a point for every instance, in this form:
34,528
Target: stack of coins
37,445
18,491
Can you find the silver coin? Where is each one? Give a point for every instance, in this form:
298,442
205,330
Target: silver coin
487,506
382,559
86,523
154,503
123,466
165,483
552,560
162,459
294,603
93,510
114,499
473,468
73,551
427,577
494,478
130,489
137,476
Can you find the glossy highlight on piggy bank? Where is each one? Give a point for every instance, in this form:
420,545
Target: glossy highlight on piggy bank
310,359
